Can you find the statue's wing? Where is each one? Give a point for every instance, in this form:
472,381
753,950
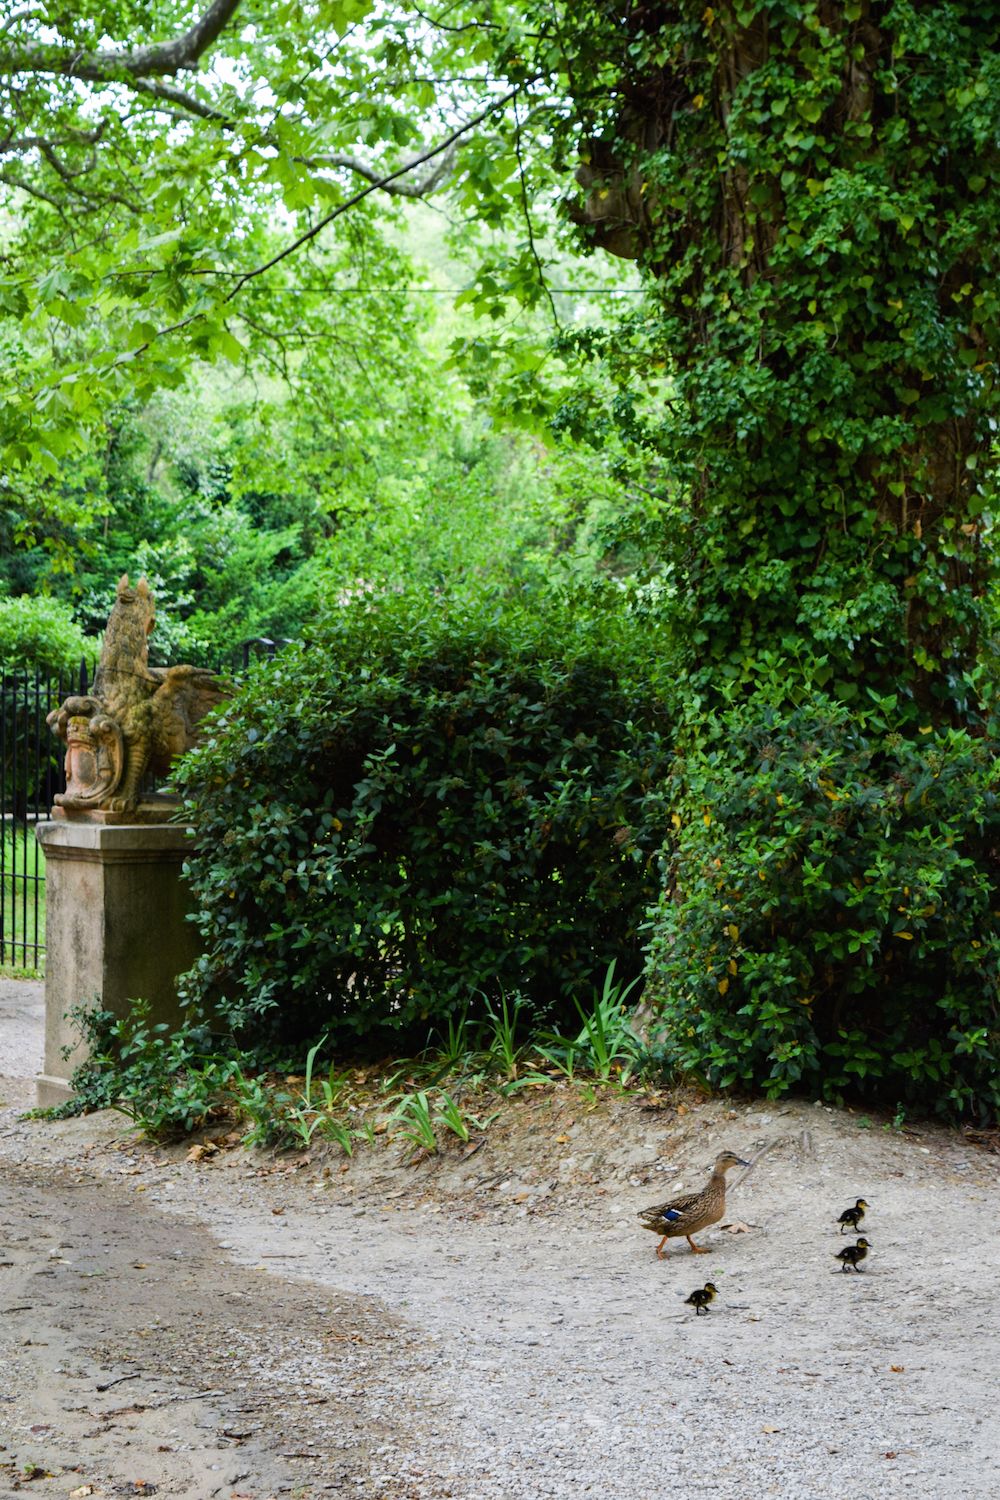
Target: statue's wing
193,692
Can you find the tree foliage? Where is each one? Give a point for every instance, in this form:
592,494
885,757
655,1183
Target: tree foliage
799,412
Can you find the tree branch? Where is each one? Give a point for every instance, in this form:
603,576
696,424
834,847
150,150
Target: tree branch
33,192
12,145
160,59
187,102
418,189
321,224
381,182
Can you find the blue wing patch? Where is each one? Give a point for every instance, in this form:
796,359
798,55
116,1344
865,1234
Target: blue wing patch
671,1215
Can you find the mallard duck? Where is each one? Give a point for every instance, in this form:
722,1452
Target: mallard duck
851,1217
853,1255
700,1299
694,1211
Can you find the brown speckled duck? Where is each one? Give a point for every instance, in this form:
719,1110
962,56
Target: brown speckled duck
694,1211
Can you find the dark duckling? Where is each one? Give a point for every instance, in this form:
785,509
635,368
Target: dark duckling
851,1217
700,1298
853,1255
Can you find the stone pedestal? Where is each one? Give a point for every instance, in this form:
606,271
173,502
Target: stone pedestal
115,930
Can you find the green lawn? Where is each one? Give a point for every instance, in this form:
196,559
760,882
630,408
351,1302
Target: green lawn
22,899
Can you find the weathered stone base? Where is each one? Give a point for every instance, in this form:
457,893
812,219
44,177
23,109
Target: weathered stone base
155,807
51,1091
115,930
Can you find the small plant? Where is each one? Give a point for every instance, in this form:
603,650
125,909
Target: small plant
168,1082
606,1044
502,1050
413,1115
336,1130
264,1107
454,1048
301,1117
559,1053
451,1114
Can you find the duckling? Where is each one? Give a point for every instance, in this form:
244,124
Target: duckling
853,1255
700,1298
851,1217
694,1211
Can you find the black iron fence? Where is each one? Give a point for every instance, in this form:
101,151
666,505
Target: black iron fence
31,773
30,776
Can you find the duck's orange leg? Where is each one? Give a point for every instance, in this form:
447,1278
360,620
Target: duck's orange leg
659,1249
696,1249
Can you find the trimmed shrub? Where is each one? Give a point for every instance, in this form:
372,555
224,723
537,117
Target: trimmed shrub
432,801
830,921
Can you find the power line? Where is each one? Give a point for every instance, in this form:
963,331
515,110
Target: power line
449,291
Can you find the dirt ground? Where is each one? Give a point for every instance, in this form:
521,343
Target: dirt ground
494,1324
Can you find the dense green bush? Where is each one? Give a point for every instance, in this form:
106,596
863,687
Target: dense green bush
431,801
41,634
829,919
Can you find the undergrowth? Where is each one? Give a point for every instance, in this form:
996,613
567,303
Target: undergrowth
172,1083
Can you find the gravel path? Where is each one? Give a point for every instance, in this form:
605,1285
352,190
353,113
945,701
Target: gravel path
496,1326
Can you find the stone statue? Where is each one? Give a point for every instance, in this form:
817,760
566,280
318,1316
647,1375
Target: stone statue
136,720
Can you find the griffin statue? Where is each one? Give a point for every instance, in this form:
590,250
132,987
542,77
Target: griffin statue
135,721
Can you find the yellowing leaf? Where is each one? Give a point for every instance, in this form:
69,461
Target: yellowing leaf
907,936
733,931
723,986
707,819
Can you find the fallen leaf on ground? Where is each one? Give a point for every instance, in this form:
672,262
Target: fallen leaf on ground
201,1150
737,1227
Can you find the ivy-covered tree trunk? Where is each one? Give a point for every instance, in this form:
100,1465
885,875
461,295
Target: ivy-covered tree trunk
814,190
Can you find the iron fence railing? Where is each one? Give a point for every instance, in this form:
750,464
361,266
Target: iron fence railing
31,773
